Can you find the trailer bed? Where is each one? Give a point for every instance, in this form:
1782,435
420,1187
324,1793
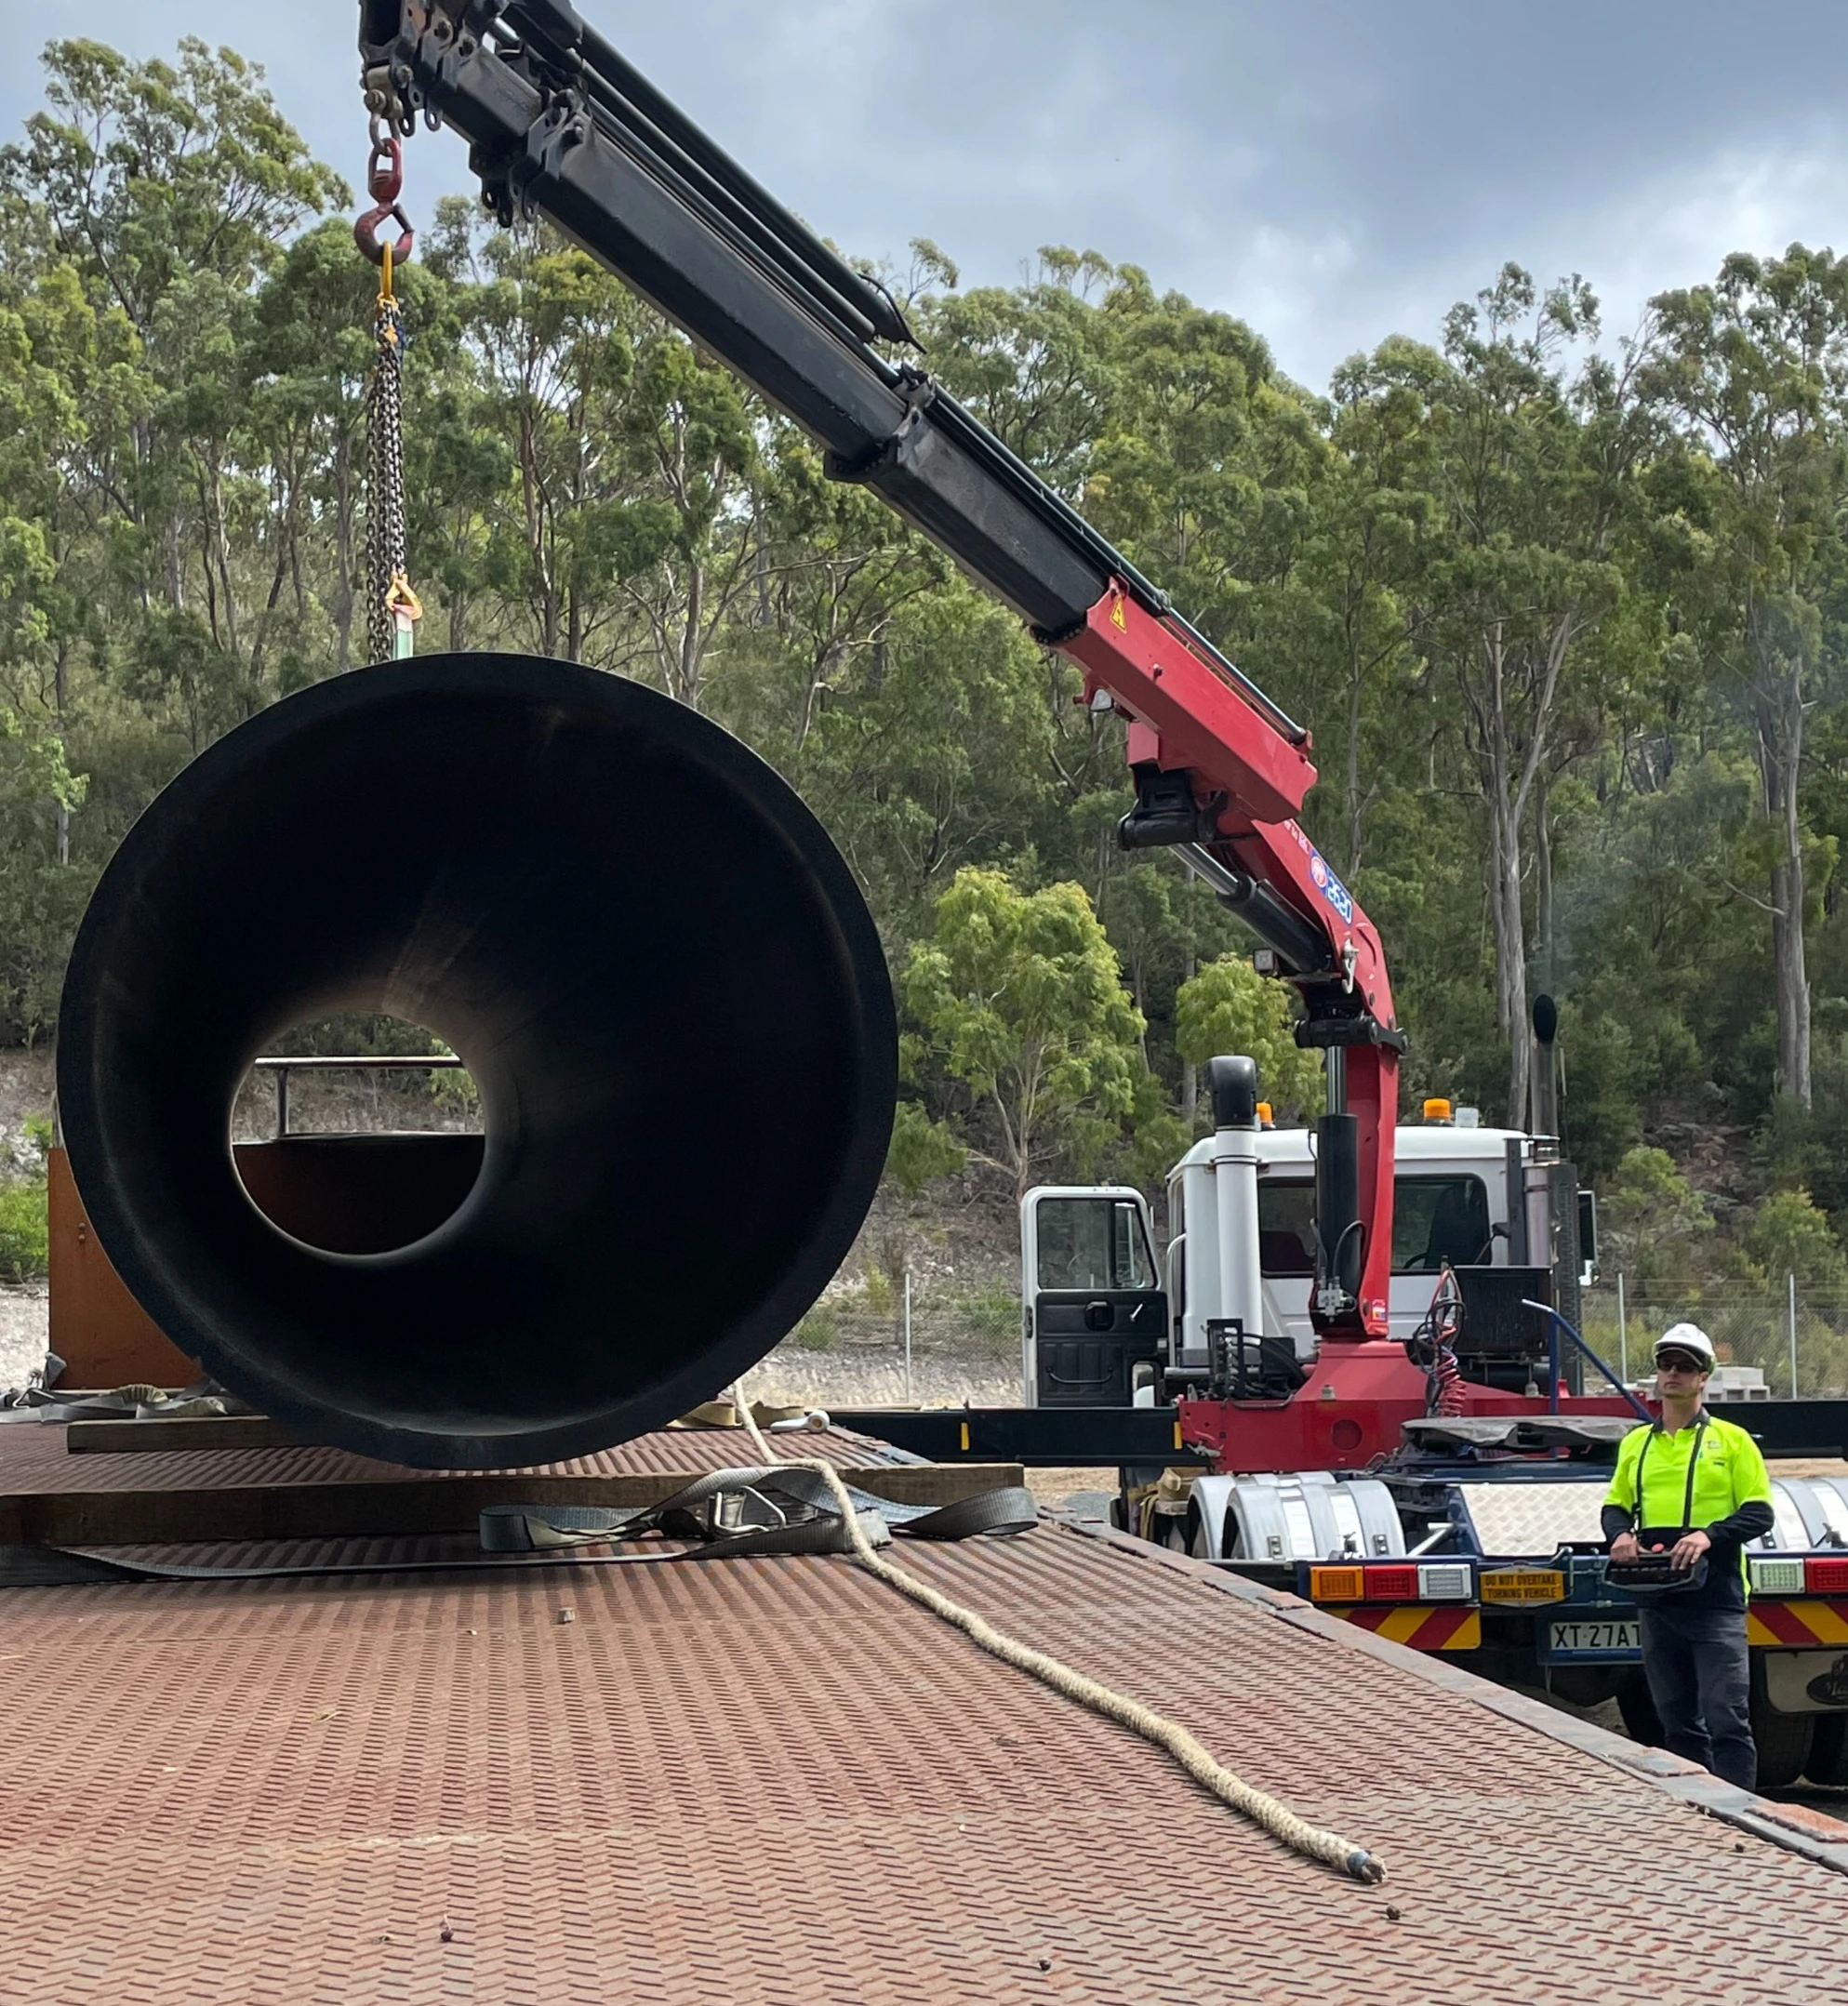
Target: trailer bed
776,1781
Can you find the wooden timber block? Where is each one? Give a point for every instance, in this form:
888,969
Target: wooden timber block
366,1508
191,1432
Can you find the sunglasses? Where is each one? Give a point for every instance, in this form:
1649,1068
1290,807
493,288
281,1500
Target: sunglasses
1679,1361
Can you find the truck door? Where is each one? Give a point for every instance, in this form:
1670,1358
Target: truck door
1094,1305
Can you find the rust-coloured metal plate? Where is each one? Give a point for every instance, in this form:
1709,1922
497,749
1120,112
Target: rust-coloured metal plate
775,1782
33,1460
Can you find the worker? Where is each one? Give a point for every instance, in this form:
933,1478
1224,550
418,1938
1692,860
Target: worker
1696,1488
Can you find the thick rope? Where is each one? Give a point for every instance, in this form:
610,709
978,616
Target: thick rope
1265,1810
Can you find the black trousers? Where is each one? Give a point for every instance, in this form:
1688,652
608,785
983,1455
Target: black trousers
1699,1675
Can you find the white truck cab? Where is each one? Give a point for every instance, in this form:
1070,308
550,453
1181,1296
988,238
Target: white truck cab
1094,1293
1449,1204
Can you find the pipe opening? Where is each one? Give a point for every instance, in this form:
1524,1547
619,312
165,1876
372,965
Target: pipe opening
651,956
375,1134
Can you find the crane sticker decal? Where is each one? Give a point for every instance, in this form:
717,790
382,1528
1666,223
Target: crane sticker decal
1322,878
1831,1689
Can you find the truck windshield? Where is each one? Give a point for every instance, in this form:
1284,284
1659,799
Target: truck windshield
1434,1219
1092,1244
1439,1219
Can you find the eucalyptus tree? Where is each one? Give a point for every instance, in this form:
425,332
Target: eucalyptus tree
1755,366
1533,480
170,187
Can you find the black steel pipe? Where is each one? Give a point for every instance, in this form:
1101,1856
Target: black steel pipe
647,952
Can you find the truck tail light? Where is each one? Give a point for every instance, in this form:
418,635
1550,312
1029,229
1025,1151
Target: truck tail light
1827,1578
1396,1581
1444,1581
1776,1577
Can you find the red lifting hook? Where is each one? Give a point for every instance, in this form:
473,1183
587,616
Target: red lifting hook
384,182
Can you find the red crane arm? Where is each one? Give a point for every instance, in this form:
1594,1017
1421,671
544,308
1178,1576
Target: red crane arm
1247,772
561,124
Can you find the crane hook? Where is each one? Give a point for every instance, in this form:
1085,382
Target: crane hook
384,183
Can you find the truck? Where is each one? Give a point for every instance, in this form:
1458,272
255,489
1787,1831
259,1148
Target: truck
377,1765
1270,1379
1442,1486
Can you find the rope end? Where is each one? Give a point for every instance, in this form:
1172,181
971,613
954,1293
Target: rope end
1366,1867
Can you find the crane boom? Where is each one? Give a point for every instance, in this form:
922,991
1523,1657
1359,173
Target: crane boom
559,124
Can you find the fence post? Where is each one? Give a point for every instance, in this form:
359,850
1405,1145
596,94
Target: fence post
907,1333
1791,1283
1623,1333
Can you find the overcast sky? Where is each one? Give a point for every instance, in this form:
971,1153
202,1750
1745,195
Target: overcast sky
1333,170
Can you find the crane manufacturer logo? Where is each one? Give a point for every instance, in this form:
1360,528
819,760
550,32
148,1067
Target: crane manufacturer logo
1322,878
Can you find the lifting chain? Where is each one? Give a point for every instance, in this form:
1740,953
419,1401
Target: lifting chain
391,607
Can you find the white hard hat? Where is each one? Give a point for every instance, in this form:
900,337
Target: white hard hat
1688,1337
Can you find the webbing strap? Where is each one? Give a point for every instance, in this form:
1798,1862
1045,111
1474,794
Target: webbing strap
772,1509
730,1514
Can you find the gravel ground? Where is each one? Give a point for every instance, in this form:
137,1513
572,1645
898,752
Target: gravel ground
876,1378
23,1313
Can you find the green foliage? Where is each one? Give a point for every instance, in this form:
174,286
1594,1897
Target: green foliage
1020,998
817,1331
23,1250
922,1150
22,1231
1228,1007
1569,621
993,1316
1651,1218
1788,1236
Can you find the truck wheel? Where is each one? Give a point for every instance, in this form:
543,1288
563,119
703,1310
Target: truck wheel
1782,1740
1829,1749
1641,1722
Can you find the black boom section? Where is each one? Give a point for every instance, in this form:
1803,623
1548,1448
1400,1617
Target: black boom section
560,125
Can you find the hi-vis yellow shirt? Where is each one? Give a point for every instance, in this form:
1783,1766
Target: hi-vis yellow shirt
1730,1473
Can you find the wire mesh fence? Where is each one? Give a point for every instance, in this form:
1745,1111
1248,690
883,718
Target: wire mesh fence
1797,1340
872,1349
889,1344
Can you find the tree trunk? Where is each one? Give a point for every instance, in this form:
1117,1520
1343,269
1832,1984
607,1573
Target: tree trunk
1512,960
1190,1072
172,569
61,673
343,553
1780,722
1543,891
220,550
692,648
1353,760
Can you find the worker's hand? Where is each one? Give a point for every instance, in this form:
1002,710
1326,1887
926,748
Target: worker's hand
1688,1550
1624,1547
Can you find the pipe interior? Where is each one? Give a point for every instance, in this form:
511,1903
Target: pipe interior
669,997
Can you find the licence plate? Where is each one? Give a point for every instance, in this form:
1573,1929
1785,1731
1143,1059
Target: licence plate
1601,1637
1524,1585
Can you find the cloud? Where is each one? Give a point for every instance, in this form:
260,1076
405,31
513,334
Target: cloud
1675,230
1332,173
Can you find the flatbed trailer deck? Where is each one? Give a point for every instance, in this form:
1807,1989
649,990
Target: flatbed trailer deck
776,1781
